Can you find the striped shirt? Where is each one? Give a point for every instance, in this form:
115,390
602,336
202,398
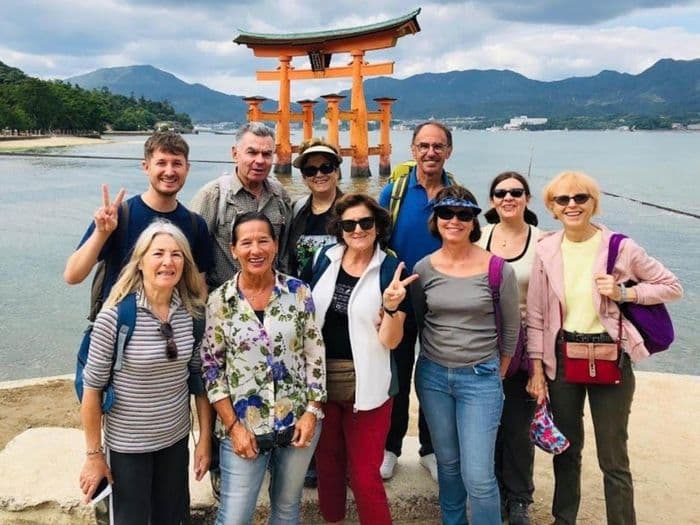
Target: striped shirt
151,407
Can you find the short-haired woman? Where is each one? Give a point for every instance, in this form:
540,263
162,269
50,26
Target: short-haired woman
571,299
460,366
350,291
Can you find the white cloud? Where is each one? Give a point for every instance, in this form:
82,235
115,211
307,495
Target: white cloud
194,40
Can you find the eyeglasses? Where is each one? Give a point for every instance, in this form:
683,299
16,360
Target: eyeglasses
348,225
516,193
448,214
311,171
564,200
166,330
424,147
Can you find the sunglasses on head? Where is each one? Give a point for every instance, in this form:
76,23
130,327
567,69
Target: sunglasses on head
166,330
310,171
579,198
446,214
516,193
348,225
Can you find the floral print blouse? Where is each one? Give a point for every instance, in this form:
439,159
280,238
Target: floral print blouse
270,370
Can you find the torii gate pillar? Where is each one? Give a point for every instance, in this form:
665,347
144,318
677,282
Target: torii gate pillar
359,166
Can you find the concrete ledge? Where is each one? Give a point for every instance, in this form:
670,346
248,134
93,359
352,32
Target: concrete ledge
41,466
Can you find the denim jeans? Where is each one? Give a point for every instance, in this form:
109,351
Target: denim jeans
241,480
463,409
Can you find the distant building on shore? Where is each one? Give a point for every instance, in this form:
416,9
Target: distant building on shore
522,121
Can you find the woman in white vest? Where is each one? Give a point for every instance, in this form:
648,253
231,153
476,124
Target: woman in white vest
362,320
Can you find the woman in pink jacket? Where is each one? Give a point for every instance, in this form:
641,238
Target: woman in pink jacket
572,299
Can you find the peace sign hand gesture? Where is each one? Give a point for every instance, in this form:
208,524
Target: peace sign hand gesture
396,291
107,216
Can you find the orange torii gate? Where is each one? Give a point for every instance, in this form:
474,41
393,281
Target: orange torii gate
319,47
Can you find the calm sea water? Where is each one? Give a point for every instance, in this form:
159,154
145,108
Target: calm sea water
45,206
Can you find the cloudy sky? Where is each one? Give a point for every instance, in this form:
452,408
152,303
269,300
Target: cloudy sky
541,39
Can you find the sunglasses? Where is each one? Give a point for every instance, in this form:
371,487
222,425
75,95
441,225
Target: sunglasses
166,330
564,200
516,193
311,171
448,214
348,225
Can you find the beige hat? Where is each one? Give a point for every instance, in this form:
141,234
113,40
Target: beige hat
318,148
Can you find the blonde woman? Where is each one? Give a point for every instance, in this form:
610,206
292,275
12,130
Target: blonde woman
571,299
145,453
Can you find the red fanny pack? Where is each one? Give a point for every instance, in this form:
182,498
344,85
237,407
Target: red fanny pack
592,363
590,360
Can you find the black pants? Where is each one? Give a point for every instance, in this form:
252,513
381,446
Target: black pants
405,357
151,488
515,453
610,409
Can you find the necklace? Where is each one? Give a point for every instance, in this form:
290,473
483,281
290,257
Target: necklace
318,209
517,236
252,296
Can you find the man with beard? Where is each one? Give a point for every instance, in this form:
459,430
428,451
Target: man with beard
117,225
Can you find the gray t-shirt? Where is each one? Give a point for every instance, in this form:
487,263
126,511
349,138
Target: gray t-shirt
456,318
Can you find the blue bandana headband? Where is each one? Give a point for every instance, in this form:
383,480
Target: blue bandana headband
454,202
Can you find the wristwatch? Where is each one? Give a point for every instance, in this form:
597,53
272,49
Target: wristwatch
316,411
623,293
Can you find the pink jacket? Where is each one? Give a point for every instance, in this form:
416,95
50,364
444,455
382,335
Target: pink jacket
546,292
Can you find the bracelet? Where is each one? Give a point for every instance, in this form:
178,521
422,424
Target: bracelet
623,293
390,312
230,427
95,451
316,411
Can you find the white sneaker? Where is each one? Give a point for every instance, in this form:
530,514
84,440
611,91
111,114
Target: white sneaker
430,464
386,470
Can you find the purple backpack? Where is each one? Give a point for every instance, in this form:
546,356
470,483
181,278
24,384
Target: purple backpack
520,361
651,320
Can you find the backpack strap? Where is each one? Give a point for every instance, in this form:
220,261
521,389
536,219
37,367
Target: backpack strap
399,178
126,322
224,187
495,278
299,205
613,249
386,271
398,192
320,263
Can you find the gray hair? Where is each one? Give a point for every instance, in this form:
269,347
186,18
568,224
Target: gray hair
256,128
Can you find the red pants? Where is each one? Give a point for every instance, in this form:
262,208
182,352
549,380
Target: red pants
353,443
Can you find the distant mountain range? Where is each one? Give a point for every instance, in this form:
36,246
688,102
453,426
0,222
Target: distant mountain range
201,103
668,88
